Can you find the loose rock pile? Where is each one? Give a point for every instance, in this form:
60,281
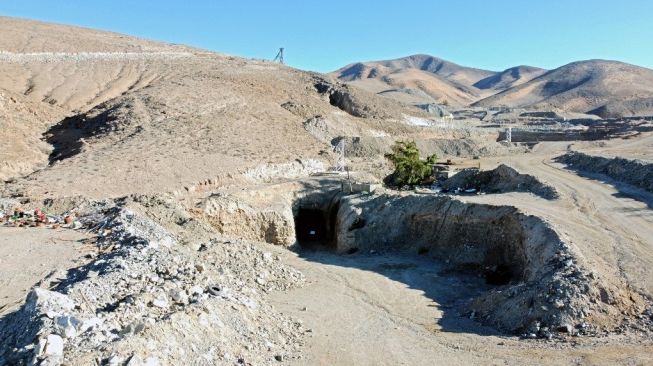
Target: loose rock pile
499,180
150,300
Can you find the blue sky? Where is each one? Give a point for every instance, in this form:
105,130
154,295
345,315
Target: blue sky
325,35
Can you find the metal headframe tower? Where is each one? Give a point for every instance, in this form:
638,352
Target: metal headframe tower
279,56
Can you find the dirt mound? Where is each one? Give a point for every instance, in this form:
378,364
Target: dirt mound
635,172
499,180
147,298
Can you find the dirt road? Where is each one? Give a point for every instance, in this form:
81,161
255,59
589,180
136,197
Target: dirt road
384,310
379,310
609,223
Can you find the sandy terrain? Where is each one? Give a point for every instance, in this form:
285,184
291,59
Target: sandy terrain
28,255
378,310
610,224
189,165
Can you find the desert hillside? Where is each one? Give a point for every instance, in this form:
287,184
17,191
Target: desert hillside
607,88
445,69
428,77
167,205
604,88
509,78
112,114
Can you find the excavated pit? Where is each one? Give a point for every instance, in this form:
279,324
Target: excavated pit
526,279
533,284
482,239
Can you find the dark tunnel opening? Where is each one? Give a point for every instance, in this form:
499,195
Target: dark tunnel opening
312,229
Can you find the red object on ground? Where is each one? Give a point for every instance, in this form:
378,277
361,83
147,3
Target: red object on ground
40,216
68,220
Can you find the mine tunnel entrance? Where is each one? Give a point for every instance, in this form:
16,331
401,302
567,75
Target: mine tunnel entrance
313,229
498,276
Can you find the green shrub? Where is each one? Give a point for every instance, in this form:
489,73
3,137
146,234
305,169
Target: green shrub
409,168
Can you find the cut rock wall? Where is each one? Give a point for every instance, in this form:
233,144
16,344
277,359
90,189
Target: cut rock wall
548,291
635,172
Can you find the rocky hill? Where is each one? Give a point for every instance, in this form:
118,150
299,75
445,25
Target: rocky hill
600,87
509,78
431,78
606,88
92,112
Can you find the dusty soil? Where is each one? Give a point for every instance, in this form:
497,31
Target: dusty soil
188,162
611,225
28,255
372,309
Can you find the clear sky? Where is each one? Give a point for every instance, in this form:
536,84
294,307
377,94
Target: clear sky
325,35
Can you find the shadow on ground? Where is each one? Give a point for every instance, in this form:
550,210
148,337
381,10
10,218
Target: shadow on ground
447,288
624,190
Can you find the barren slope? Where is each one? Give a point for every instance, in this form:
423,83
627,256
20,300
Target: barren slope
439,79
606,88
50,71
21,125
145,117
509,78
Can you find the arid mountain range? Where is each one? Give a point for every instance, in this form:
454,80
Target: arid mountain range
601,87
167,205
78,101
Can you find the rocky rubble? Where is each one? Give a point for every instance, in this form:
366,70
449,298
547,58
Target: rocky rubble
237,218
294,169
499,180
150,300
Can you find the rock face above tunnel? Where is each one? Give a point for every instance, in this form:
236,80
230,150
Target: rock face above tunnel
236,218
544,289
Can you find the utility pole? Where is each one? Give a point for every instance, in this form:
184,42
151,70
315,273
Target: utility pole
279,56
